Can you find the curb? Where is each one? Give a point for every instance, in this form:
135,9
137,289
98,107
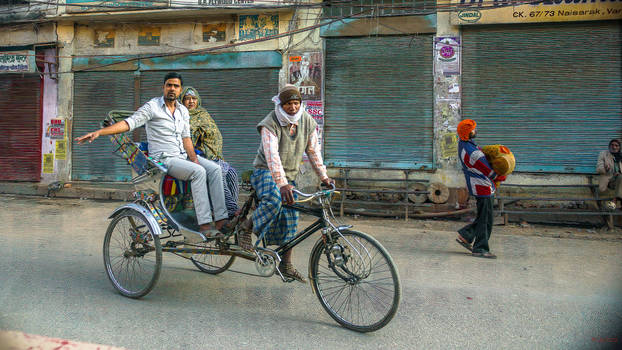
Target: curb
84,190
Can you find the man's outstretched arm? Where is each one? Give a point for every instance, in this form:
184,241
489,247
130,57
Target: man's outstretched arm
115,128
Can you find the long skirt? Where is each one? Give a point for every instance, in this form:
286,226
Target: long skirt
231,186
271,220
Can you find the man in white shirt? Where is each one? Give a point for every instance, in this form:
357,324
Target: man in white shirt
168,134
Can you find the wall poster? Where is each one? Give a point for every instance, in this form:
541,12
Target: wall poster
305,71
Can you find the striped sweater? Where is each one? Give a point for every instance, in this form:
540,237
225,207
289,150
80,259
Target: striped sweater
478,173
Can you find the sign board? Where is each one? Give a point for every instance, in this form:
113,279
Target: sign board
61,149
257,26
113,5
229,3
48,163
305,71
513,11
17,62
316,111
55,129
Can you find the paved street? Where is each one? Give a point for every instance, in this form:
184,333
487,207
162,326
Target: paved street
542,293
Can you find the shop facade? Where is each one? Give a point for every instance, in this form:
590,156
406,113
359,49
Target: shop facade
117,65
28,103
550,90
387,91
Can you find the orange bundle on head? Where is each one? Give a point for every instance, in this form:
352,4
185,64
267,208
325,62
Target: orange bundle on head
500,158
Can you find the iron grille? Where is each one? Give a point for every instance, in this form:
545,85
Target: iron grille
377,8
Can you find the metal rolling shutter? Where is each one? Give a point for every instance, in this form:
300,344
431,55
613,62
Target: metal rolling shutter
379,102
95,94
552,93
237,99
20,122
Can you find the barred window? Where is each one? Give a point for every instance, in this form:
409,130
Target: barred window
13,2
373,8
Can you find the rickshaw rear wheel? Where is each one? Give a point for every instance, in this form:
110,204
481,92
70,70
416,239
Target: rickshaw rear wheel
212,263
132,254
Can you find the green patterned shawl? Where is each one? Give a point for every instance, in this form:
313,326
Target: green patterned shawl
205,134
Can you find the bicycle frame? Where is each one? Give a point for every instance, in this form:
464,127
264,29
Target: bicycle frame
319,224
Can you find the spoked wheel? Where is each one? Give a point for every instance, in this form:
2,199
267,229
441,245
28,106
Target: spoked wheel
132,254
356,281
212,263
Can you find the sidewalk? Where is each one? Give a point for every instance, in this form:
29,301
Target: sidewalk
12,340
77,189
121,192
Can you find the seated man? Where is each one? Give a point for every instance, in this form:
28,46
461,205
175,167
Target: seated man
286,133
609,166
168,134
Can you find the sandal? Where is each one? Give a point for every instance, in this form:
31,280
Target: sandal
212,233
226,228
245,240
289,271
487,255
463,242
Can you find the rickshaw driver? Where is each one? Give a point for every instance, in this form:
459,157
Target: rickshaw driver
286,133
168,134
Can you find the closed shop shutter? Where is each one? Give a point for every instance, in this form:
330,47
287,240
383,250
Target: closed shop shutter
552,93
20,122
95,94
379,102
237,99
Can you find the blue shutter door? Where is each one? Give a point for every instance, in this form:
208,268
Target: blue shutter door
552,93
379,102
237,99
95,94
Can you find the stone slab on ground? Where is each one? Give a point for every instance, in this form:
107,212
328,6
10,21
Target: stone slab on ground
12,340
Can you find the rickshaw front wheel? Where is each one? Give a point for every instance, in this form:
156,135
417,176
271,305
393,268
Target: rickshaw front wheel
132,254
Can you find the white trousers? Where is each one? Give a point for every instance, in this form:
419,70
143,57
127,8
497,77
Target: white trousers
206,183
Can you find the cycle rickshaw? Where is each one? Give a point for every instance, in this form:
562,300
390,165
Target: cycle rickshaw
350,272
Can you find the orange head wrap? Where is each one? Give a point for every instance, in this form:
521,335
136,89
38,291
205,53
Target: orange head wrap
465,127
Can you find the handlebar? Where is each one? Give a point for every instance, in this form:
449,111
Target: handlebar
309,196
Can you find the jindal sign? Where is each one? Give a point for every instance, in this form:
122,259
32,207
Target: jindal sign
470,16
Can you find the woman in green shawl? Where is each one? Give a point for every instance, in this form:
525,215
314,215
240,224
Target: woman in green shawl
207,141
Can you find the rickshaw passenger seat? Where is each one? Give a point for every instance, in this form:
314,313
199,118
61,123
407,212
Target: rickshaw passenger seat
143,146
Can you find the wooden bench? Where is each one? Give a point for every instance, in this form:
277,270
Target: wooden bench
607,215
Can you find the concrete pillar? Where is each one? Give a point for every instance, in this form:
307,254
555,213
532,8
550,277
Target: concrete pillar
66,34
447,100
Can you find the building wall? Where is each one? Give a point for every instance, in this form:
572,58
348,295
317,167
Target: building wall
27,34
185,36
180,35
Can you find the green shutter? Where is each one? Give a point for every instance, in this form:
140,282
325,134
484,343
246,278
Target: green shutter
552,93
95,94
237,99
379,102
